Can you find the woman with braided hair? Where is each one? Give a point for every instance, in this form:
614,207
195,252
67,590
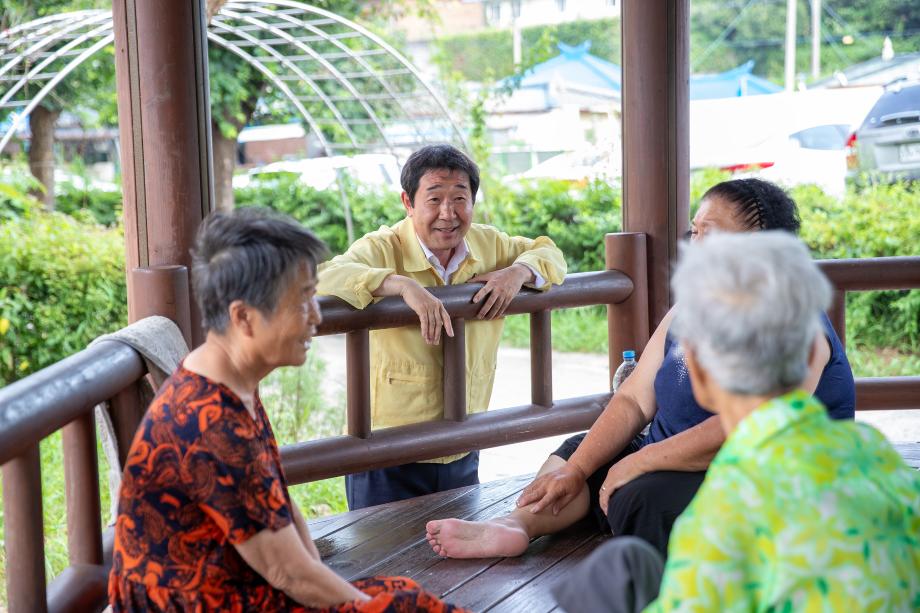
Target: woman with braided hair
637,482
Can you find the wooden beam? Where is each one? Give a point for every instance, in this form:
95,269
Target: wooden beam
164,126
656,132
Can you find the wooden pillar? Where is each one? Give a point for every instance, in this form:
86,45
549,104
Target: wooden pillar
656,132
164,129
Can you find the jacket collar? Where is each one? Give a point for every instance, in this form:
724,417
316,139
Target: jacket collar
414,259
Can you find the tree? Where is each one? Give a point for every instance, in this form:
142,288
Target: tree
239,92
727,34
92,85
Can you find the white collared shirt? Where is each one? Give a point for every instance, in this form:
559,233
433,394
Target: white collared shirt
460,253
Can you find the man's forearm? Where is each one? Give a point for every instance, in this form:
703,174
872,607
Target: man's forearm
691,450
393,285
620,422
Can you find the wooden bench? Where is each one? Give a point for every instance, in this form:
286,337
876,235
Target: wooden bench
390,540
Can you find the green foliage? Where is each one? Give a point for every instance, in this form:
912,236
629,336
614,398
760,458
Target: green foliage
99,206
323,211
488,55
62,283
874,221
575,217
15,199
298,413
726,34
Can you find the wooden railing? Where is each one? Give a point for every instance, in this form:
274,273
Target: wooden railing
62,397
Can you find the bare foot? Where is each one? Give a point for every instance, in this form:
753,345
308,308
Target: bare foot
456,538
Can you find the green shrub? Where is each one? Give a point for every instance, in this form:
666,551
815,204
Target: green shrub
62,283
103,207
323,211
874,221
15,186
488,55
576,218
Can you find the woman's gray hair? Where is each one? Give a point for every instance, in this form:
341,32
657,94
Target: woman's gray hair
250,254
749,306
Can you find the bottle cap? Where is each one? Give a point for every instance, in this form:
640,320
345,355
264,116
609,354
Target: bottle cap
629,354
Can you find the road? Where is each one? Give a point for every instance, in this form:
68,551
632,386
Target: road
574,374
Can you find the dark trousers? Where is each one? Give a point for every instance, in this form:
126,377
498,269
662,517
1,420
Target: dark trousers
645,507
621,576
384,485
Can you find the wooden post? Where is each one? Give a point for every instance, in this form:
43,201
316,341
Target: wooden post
358,375
656,132
455,371
81,489
163,290
24,534
627,321
541,358
164,129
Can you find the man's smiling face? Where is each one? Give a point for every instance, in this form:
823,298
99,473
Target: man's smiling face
442,210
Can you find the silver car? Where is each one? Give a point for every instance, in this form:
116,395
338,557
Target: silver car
886,147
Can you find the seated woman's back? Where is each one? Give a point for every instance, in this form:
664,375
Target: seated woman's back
811,512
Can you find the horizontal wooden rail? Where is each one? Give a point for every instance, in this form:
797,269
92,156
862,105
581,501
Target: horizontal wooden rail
339,455
579,289
79,588
857,275
63,395
42,403
865,274
887,393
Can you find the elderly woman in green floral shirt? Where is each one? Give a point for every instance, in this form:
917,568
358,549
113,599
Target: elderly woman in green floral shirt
797,512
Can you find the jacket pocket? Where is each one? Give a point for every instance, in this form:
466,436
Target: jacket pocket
406,397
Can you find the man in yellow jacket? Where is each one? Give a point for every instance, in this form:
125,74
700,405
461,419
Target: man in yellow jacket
436,244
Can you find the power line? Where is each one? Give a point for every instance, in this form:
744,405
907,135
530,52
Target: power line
721,38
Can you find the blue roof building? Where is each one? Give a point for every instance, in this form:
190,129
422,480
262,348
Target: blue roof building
577,77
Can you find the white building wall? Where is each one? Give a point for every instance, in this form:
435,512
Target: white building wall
500,13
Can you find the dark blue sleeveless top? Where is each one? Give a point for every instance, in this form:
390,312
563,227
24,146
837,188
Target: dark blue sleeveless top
678,410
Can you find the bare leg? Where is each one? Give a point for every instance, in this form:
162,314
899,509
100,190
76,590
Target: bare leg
504,536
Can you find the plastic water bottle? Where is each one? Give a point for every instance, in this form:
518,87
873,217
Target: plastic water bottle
624,370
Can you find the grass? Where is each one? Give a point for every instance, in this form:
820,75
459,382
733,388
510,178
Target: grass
585,330
298,412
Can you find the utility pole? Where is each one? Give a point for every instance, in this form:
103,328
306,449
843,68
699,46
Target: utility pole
790,45
815,39
516,33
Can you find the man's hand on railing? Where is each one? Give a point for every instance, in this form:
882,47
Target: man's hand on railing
431,312
557,488
501,286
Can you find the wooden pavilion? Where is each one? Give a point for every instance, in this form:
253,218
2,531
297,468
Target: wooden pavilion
168,189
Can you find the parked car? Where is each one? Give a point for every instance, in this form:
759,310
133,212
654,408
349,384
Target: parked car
377,169
886,147
594,162
815,155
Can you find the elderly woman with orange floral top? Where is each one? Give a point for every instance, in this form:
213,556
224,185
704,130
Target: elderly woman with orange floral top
205,521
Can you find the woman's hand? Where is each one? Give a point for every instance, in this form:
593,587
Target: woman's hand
621,473
556,488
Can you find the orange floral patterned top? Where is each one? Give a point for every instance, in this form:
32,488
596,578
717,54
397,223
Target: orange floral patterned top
201,476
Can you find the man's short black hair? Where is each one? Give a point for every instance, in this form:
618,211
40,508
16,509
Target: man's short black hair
250,254
434,157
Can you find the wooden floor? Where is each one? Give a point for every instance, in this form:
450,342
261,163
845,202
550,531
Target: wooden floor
390,540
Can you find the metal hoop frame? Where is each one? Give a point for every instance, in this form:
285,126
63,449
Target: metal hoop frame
354,91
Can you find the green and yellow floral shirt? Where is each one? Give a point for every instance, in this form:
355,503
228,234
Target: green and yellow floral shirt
798,513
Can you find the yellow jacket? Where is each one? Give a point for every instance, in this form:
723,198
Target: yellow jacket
406,373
